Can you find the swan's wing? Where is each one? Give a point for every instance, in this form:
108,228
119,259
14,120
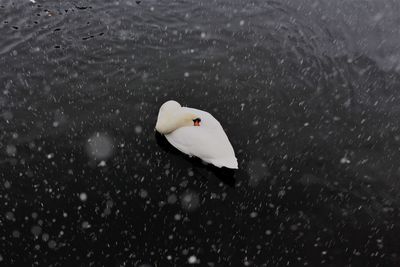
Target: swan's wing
208,142
210,146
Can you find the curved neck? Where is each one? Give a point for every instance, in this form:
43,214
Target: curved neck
169,122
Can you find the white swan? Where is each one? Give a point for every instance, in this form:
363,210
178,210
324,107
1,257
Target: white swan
196,133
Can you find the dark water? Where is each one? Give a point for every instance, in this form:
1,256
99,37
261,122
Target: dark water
308,92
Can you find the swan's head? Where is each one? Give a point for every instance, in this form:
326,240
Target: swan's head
171,117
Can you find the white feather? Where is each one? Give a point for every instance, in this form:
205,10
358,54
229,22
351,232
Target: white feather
207,141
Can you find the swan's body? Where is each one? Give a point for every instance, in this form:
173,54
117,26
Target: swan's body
206,141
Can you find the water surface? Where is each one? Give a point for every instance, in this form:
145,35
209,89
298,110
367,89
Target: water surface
308,93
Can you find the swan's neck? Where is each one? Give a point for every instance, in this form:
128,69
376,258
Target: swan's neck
169,122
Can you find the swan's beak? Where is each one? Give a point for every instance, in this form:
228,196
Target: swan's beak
196,122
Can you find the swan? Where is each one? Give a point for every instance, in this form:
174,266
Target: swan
196,133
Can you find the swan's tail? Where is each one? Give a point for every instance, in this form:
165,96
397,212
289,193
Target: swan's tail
230,163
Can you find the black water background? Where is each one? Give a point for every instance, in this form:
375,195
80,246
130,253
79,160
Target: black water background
308,93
